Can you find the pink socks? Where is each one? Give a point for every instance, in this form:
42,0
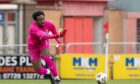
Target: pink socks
51,65
43,71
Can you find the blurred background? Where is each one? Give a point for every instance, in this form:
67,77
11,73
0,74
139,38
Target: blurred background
102,36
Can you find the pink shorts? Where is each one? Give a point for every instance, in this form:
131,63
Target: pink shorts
36,53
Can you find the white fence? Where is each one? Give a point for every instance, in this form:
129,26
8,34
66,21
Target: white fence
113,47
16,49
98,47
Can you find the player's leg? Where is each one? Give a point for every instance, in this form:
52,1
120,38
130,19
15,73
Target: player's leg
51,64
35,56
39,69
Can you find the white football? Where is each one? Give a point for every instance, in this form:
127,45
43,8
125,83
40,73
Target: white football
101,78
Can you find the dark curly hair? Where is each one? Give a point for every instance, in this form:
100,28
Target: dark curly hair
37,13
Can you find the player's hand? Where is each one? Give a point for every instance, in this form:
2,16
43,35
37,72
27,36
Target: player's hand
62,34
60,48
56,35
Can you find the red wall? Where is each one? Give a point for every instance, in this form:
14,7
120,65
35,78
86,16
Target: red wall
80,29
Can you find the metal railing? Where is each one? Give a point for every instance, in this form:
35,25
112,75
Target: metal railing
98,47
125,47
16,49
95,44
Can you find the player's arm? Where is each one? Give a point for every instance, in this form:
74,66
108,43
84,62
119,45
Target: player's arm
42,34
55,32
61,34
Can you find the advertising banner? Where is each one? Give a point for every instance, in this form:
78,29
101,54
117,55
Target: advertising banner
126,66
17,67
81,66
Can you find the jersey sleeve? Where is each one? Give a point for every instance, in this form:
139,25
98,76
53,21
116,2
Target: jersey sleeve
40,33
54,31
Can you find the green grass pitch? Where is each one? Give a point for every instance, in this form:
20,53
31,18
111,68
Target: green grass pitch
68,82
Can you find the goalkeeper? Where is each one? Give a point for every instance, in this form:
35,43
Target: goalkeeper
38,45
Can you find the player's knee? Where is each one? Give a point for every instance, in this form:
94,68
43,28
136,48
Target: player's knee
36,67
46,51
42,71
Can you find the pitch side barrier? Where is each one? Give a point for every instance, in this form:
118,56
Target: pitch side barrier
19,67
121,55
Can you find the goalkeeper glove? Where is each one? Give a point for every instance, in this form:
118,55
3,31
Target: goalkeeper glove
60,48
62,34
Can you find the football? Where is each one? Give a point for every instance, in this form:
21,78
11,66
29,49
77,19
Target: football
101,78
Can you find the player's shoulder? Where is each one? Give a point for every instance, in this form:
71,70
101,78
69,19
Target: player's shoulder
33,26
49,22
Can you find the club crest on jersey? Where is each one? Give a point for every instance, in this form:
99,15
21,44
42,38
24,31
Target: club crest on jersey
47,31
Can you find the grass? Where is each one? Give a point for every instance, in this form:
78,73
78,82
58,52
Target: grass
68,82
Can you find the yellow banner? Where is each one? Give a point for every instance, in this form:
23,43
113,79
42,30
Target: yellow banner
126,66
81,66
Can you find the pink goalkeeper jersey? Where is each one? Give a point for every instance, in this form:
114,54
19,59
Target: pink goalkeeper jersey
39,37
